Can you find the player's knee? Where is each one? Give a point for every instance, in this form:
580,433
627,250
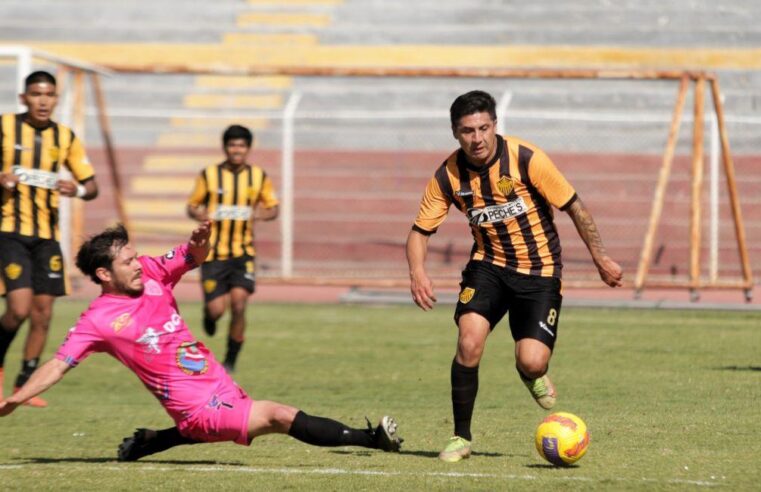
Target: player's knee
214,313
15,316
238,309
40,319
281,416
470,348
532,365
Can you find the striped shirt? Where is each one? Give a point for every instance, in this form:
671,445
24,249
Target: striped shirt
508,204
230,196
36,155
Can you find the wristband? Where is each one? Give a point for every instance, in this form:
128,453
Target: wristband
81,190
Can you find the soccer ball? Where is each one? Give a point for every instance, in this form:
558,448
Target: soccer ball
562,438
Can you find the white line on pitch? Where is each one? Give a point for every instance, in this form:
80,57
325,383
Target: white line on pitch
341,471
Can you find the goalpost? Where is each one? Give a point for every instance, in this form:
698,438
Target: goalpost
698,78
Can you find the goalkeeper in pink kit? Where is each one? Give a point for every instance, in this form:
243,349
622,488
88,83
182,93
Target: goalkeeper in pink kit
136,320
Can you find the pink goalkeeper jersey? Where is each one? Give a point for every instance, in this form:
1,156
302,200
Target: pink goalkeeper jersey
147,335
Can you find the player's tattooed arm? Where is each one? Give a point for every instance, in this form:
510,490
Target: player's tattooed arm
610,271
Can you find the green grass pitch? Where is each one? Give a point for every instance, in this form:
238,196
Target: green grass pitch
672,401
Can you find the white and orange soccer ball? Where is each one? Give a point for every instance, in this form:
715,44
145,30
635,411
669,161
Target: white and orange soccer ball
562,438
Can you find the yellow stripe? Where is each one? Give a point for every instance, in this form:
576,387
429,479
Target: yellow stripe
173,207
266,101
175,226
195,162
217,126
269,39
242,82
189,139
173,184
205,56
147,249
304,19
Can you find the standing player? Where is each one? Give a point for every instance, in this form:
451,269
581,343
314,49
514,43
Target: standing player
506,188
33,149
136,320
233,195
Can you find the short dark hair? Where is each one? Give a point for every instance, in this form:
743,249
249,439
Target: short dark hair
40,76
471,103
235,132
99,251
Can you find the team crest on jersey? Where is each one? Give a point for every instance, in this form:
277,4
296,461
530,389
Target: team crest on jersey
467,294
191,360
13,271
505,185
152,288
169,255
209,286
122,321
55,263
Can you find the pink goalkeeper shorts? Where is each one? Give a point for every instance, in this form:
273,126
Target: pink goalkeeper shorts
223,418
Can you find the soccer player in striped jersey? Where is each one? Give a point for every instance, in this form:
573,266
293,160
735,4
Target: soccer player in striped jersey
506,188
233,195
33,150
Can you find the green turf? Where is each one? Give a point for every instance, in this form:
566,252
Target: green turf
672,401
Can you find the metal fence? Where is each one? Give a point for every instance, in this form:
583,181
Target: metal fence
351,158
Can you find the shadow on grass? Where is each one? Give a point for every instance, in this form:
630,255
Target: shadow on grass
739,368
53,461
416,452
547,466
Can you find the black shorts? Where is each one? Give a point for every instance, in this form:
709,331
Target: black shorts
219,276
532,301
32,262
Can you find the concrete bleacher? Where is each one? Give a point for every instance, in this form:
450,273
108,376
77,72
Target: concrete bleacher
167,127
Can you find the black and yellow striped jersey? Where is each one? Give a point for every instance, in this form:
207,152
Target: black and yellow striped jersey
507,202
230,196
36,156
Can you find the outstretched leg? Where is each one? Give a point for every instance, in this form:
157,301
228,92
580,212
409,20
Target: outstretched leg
145,442
269,417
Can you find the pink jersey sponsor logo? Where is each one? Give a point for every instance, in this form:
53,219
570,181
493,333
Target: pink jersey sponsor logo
122,321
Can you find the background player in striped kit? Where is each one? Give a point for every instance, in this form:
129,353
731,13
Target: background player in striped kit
233,195
32,150
506,188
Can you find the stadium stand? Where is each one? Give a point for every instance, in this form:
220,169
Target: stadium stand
359,179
